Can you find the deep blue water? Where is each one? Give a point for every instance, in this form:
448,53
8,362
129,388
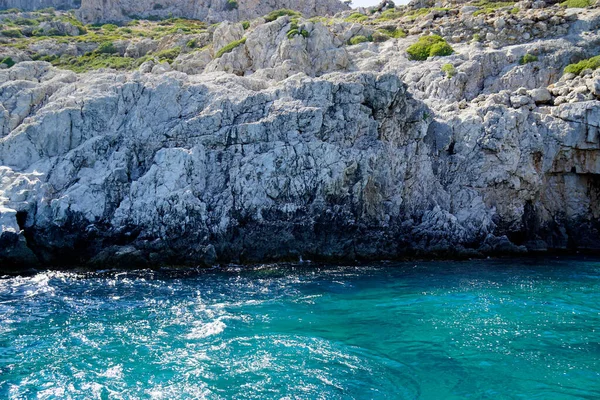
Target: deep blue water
423,330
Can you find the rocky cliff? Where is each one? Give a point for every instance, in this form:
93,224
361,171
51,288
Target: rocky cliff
206,10
294,143
29,5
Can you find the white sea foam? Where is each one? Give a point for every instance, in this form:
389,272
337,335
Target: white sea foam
115,372
208,329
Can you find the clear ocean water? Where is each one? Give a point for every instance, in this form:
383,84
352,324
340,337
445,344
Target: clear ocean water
483,329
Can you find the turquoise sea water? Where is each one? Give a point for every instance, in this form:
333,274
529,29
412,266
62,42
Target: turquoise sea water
423,330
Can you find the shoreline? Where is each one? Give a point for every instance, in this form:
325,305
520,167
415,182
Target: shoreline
188,270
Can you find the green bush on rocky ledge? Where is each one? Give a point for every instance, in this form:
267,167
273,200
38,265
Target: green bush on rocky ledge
106,48
273,15
392,32
356,17
429,46
488,7
577,68
9,62
449,70
229,47
168,54
89,62
527,58
359,39
576,3
231,5
295,30
12,33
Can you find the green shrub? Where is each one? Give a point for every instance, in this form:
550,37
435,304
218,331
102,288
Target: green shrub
527,58
109,27
12,33
590,63
296,31
449,70
49,32
125,30
358,39
477,38
169,54
157,6
106,48
389,14
229,47
10,11
48,58
273,15
133,22
90,62
231,5
25,21
441,49
8,62
191,44
356,17
576,3
395,33
488,7
322,20
515,10
429,46
245,24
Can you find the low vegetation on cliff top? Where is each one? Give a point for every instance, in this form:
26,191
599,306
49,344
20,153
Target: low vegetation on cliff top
429,46
577,68
58,37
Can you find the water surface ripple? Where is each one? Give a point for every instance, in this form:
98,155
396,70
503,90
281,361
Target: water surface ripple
424,330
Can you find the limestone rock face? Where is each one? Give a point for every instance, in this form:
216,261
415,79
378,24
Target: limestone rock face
270,51
205,10
297,144
192,169
30,5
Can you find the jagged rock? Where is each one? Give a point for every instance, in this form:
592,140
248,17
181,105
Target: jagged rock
161,68
541,95
140,48
226,33
269,49
296,144
59,27
147,66
120,10
51,47
193,63
28,5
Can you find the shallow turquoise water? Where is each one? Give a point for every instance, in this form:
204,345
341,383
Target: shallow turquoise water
436,330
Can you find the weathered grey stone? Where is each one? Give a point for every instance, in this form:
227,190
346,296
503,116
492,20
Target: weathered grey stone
541,95
302,146
205,10
29,5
